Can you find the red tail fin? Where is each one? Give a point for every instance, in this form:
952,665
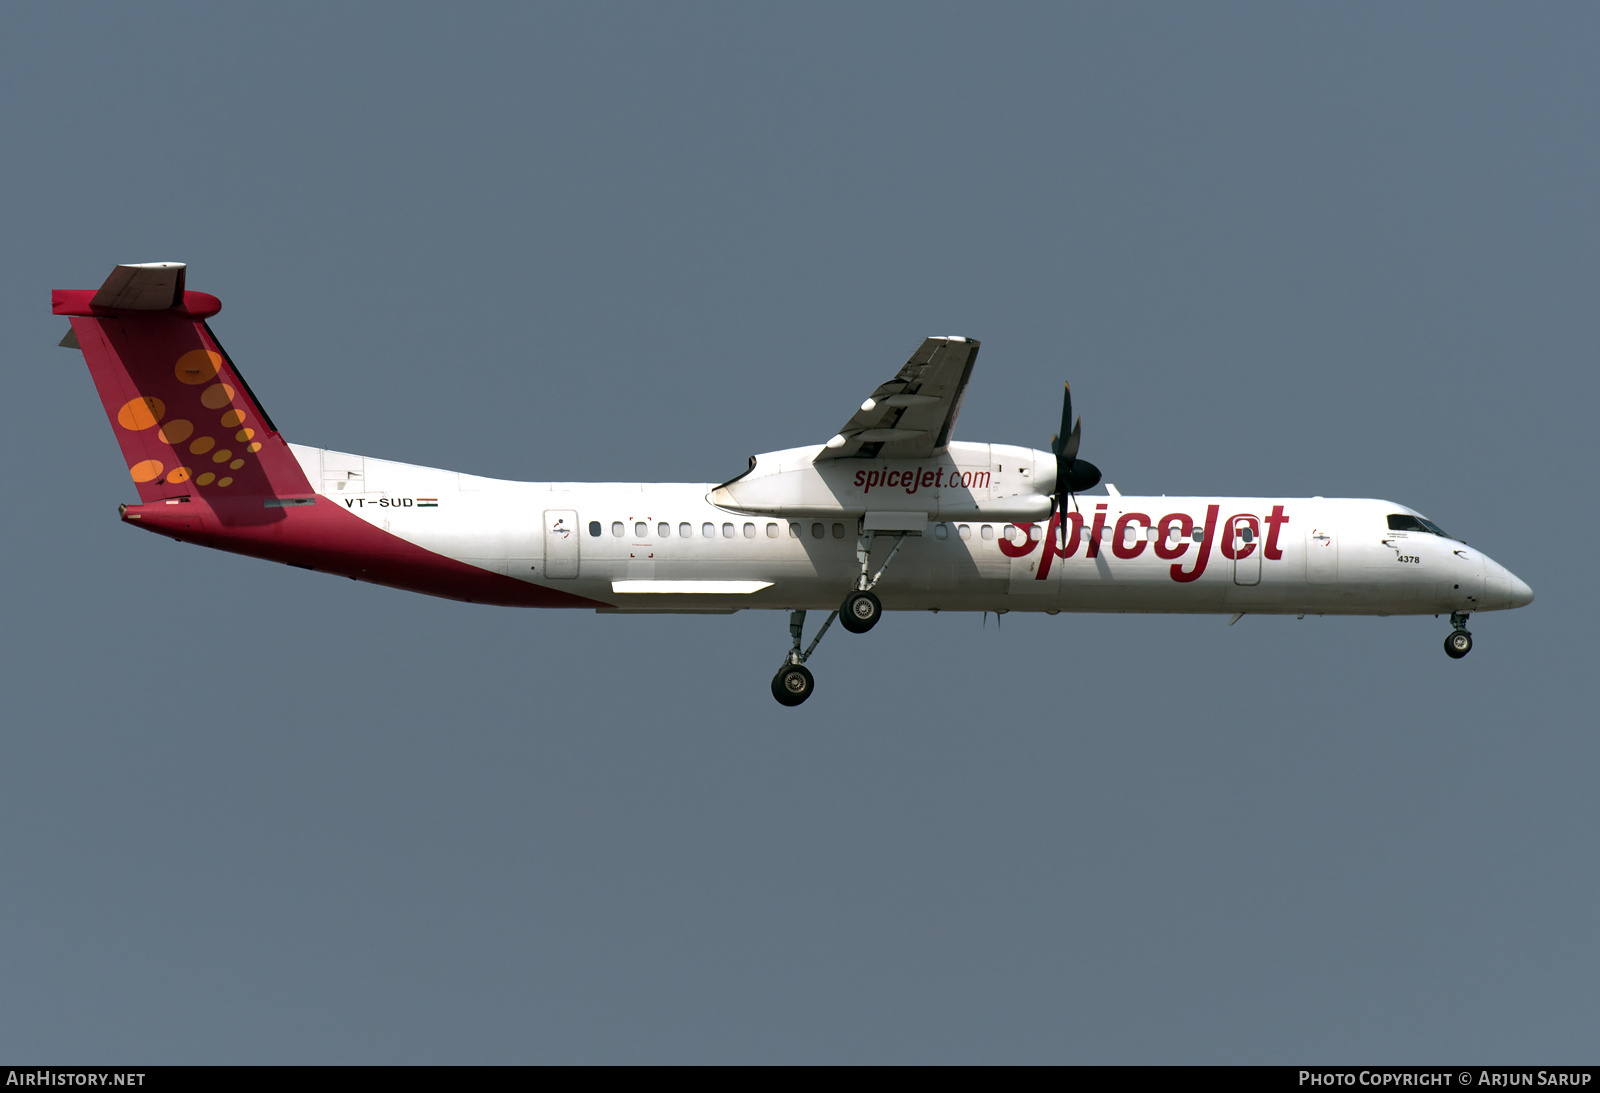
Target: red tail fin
185,419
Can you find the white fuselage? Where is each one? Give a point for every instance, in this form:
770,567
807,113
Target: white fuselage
666,547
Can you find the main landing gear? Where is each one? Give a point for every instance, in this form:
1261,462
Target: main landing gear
1459,643
859,613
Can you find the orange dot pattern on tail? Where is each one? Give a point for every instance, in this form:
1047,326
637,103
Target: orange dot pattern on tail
176,432
197,366
147,471
141,413
202,374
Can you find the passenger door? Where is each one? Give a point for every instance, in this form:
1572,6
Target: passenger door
560,543
1246,549
1322,556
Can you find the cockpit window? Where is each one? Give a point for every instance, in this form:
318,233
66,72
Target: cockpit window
1400,521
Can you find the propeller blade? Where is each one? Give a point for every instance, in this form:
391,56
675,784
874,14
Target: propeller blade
1073,475
1069,450
1066,420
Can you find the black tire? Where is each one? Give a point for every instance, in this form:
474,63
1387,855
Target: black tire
860,612
792,685
1458,644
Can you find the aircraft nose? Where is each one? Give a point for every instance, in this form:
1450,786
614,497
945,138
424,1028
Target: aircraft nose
1505,589
1521,594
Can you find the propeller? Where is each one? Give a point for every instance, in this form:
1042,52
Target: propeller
1073,475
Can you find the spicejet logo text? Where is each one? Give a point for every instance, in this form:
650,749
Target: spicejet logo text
1179,524
914,480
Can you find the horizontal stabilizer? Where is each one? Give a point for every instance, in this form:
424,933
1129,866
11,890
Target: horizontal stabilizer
148,286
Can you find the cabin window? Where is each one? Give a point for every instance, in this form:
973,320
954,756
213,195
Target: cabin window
1199,535
987,531
641,529
594,528
941,531
1247,535
1036,533
965,531
685,530
708,530
816,531
838,531
749,531
772,531
664,530
727,531
616,529
794,531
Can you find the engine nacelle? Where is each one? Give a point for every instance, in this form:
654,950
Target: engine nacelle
997,483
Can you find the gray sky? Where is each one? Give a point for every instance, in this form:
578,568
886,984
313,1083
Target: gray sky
253,814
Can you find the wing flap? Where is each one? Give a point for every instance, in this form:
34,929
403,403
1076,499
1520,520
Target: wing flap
912,415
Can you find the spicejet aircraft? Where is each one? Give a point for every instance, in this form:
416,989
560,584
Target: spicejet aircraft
890,507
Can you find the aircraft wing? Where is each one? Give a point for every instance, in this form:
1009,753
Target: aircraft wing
911,416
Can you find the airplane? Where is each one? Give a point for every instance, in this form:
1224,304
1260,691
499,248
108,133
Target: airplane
890,513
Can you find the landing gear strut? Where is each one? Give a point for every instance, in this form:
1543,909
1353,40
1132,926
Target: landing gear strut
793,684
1459,643
859,613
861,610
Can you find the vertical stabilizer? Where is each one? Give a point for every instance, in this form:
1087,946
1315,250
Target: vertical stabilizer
185,420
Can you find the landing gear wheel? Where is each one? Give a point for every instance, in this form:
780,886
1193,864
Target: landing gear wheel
860,612
792,685
1458,644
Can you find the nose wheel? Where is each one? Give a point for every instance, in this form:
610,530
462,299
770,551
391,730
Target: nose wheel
1459,642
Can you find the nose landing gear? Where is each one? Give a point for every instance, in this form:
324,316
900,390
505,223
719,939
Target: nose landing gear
1459,642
